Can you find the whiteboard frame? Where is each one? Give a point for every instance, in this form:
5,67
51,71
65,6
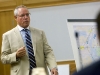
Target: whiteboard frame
76,52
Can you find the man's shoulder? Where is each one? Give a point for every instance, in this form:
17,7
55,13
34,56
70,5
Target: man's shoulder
9,31
36,29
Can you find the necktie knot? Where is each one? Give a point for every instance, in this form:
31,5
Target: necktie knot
25,30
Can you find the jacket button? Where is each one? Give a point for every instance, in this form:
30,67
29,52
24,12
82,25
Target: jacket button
15,70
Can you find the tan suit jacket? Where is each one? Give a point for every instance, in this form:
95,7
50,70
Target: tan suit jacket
12,41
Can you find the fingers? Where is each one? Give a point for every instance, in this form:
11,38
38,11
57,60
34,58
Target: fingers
21,52
54,72
23,47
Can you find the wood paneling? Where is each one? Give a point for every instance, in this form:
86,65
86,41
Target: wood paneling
4,3
1,69
6,23
38,1
45,3
7,4
19,2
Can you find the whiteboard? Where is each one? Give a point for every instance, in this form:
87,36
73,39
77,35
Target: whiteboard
85,44
53,21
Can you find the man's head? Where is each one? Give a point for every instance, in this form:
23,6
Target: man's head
22,16
98,24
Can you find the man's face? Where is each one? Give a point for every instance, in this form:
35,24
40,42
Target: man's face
23,17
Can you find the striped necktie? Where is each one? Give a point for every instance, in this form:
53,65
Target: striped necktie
30,49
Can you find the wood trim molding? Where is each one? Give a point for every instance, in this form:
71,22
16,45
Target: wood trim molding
38,1
7,3
65,62
11,4
58,3
71,64
6,6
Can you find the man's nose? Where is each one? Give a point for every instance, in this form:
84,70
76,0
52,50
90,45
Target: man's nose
26,16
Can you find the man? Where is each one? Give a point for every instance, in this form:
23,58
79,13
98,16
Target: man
93,69
26,48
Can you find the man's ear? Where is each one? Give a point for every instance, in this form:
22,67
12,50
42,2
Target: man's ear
15,17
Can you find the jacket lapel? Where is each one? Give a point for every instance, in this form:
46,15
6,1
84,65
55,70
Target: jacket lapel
33,36
21,42
18,35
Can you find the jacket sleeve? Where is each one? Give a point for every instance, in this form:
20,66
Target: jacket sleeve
7,57
49,55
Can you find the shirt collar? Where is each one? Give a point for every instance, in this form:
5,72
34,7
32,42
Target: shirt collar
21,28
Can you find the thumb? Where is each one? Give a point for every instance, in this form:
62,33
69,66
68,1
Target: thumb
23,48
52,72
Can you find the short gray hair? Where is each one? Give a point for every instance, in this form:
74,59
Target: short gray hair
16,9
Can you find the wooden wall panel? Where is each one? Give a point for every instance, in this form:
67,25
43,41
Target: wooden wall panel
1,69
45,3
4,3
7,4
38,1
6,19
6,23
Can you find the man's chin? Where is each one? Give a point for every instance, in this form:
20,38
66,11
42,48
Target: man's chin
26,25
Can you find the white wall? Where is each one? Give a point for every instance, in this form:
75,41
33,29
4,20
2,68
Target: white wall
53,21
62,69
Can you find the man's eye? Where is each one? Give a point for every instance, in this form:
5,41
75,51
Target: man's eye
22,15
